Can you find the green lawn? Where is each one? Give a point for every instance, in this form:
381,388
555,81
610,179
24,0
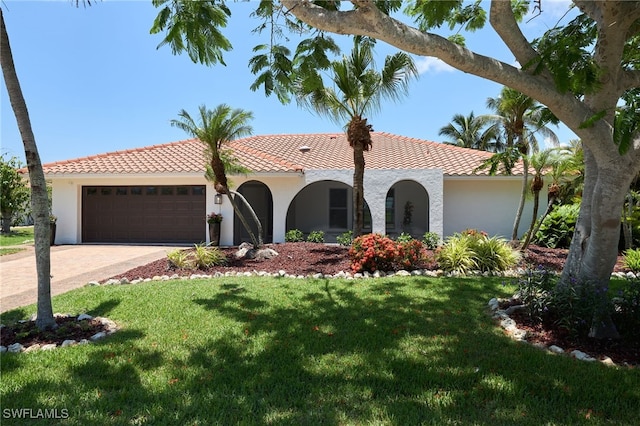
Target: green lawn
19,235
392,351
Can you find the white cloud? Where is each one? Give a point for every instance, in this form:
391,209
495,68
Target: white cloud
427,64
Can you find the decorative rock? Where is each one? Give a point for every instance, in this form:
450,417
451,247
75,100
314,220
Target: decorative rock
581,356
68,342
15,348
265,253
98,336
607,361
317,276
512,309
357,275
556,349
156,278
83,342
83,317
282,272
93,283
403,273
417,272
32,348
3,349
493,304
378,274
124,280
49,347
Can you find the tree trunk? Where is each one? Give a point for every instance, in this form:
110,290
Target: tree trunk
523,195
39,199
358,191
536,206
6,222
594,247
257,242
627,228
539,223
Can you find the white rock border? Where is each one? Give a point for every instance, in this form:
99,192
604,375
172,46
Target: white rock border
520,335
110,326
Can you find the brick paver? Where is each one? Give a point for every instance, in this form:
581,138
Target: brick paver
72,266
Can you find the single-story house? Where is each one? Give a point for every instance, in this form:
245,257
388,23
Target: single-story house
158,194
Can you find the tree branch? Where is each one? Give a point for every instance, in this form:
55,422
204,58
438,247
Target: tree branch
504,22
367,20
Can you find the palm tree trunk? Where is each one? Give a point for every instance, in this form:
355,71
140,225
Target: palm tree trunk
523,195
539,223
257,242
536,205
358,190
39,199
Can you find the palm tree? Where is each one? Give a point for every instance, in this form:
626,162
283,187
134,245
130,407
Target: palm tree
358,90
39,198
214,128
522,118
473,132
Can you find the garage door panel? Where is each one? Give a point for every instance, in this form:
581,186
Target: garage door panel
144,214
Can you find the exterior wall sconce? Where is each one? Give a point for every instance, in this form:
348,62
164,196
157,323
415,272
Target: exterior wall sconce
217,199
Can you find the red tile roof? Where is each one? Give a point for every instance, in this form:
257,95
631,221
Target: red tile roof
281,153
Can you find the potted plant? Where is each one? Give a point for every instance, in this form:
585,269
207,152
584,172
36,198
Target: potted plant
214,220
52,224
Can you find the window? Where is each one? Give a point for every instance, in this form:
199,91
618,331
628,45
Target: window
152,190
338,208
166,190
199,190
136,190
390,209
105,191
182,190
121,191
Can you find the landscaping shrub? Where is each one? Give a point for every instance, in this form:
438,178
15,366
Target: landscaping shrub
631,260
431,240
205,257
626,314
200,257
556,230
404,238
294,236
474,250
534,289
180,259
375,252
456,255
316,237
345,239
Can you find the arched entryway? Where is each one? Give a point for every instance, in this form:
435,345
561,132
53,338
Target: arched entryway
407,209
259,197
324,206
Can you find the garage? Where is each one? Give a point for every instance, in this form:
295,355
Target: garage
144,214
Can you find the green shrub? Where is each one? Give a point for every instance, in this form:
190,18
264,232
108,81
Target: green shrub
180,259
626,316
556,230
205,257
457,255
316,237
294,236
494,254
534,289
404,238
345,239
474,250
631,260
431,240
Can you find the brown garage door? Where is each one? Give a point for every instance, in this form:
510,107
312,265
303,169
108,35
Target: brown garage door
143,214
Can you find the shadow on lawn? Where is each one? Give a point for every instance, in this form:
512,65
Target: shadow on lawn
343,353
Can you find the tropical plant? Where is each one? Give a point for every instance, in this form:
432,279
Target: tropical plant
557,228
294,236
205,256
215,128
38,184
631,260
315,237
345,239
14,192
180,259
357,90
471,131
457,255
431,240
214,218
521,118
404,237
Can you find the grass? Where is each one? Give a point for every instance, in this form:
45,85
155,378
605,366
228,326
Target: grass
19,235
393,351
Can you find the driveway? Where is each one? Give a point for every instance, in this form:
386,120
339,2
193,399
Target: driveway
72,266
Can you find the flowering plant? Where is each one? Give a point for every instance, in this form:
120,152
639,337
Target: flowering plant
214,218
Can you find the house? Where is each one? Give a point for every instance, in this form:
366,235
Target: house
158,194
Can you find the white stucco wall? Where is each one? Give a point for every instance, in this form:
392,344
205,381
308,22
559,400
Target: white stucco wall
487,204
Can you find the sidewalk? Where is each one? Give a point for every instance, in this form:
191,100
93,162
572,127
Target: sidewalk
72,266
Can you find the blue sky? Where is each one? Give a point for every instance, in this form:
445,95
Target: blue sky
94,81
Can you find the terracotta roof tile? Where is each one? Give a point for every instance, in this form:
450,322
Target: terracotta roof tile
282,153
